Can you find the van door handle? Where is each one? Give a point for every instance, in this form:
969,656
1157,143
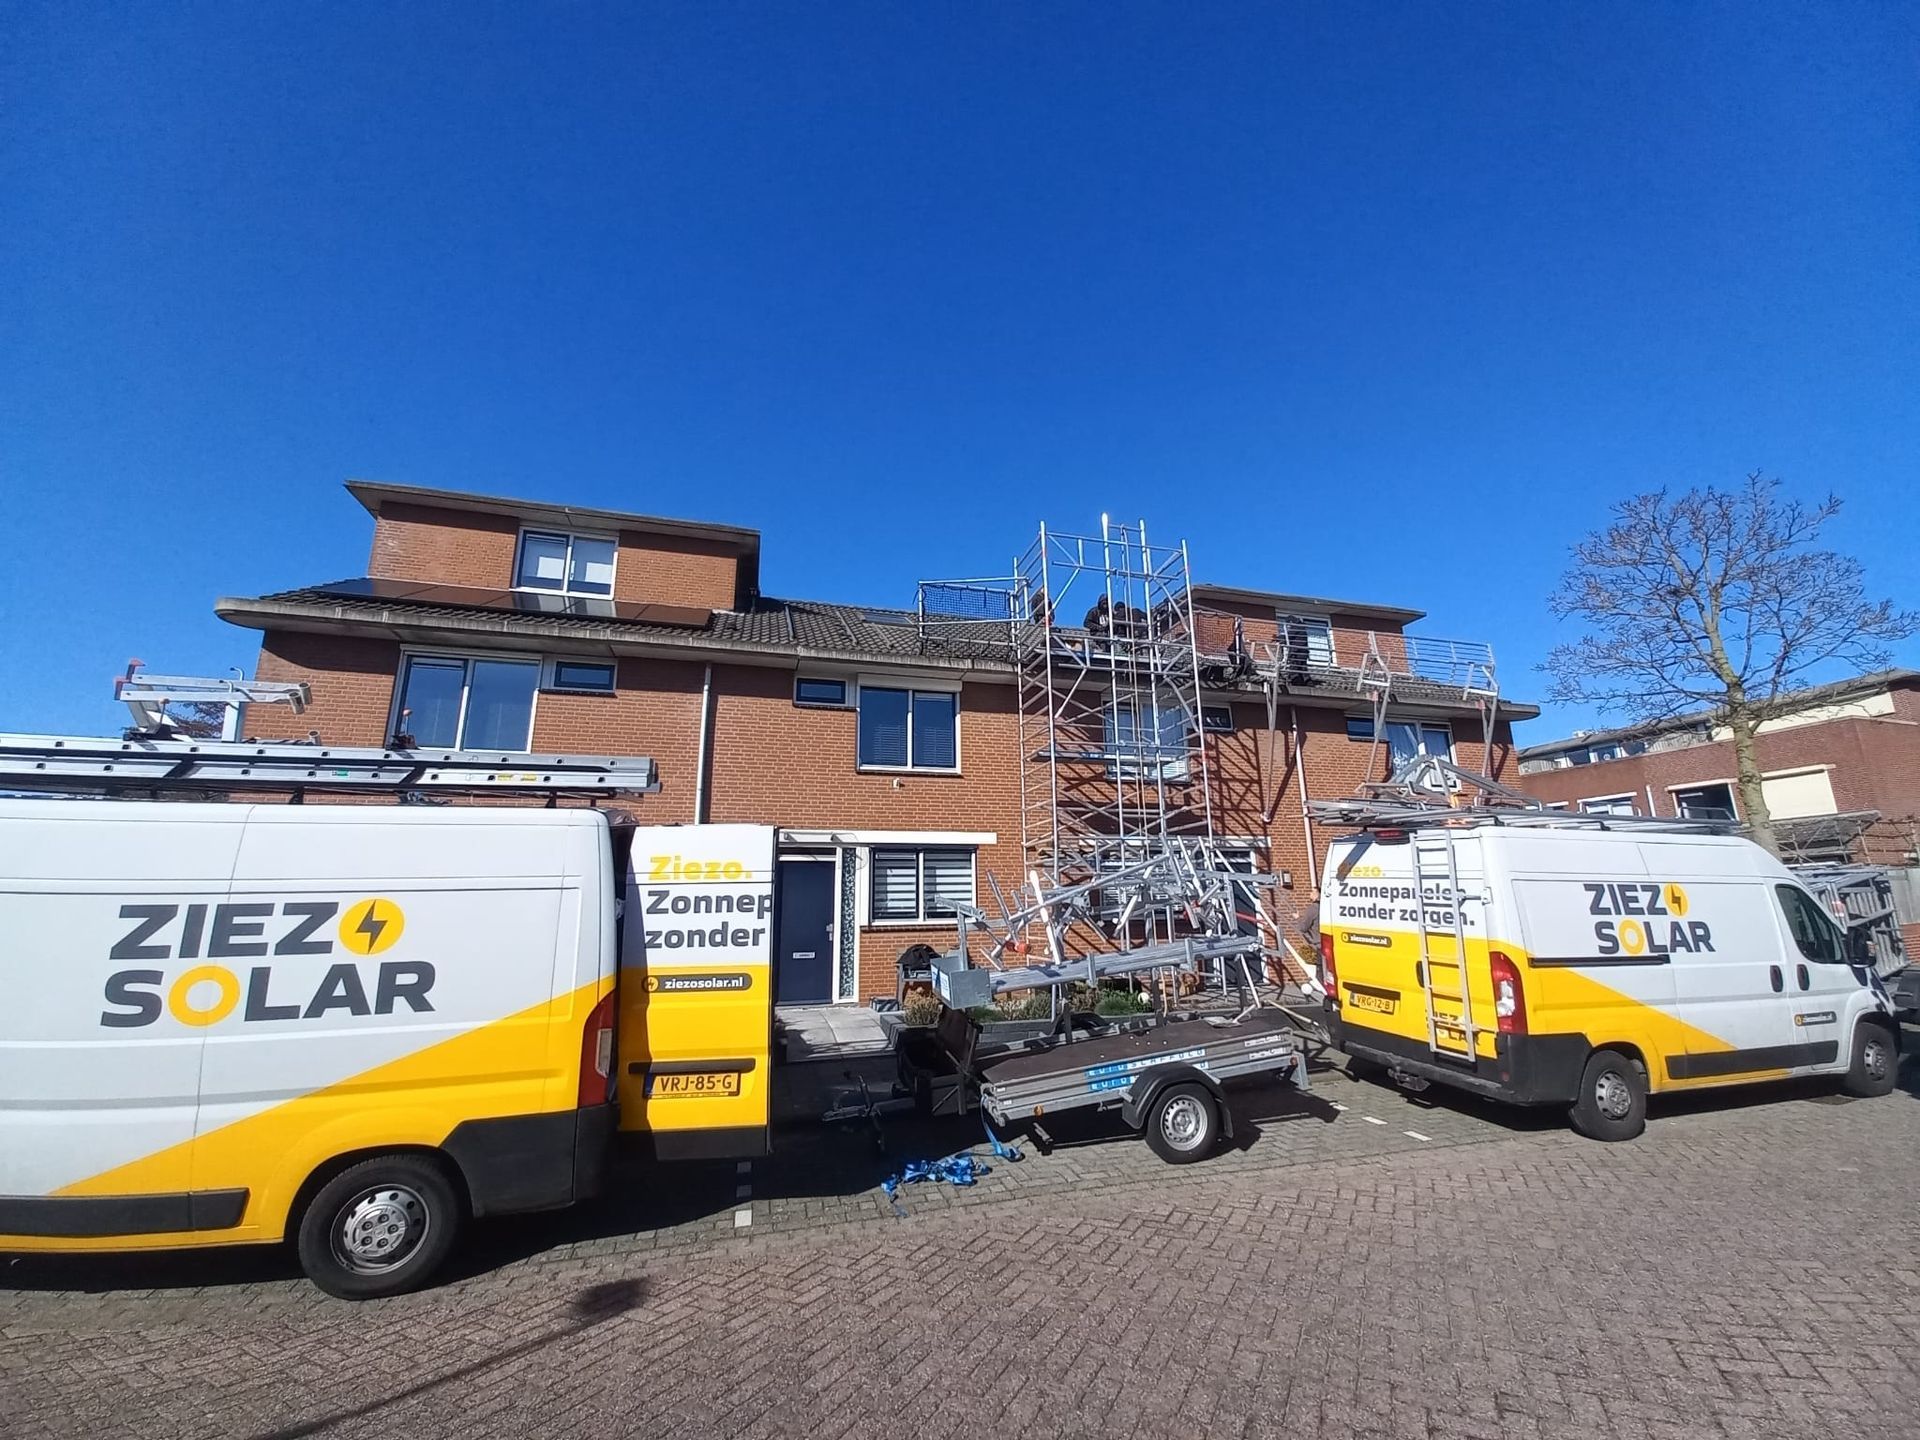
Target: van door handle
1773,973
1800,972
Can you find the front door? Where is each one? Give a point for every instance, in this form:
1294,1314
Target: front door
804,960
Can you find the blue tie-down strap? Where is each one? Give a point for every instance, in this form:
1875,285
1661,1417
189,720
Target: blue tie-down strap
964,1169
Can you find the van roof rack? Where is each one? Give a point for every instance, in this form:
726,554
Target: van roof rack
1429,792
96,765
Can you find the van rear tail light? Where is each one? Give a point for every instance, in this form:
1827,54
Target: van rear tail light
1509,999
596,1054
1328,979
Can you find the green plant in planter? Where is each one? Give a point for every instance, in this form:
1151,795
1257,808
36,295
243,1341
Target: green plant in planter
1034,1005
921,1008
1121,1002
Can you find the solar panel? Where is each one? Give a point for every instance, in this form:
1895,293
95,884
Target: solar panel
522,602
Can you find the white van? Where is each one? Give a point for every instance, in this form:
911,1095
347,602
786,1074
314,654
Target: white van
357,1024
1589,967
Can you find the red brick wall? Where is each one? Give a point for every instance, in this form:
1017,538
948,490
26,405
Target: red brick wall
463,547
1876,766
443,547
676,570
776,763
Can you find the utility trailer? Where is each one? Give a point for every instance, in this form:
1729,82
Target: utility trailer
1164,1074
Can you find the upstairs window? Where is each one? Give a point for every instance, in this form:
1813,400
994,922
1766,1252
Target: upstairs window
1608,805
1705,802
449,702
565,564
909,729
1406,739
1306,642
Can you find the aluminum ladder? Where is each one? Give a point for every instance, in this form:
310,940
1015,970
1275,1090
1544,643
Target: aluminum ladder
96,765
1436,865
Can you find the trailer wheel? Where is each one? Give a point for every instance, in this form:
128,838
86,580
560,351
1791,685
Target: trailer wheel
1876,1061
1184,1124
381,1227
1613,1098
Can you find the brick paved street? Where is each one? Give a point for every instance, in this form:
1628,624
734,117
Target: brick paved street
1745,1269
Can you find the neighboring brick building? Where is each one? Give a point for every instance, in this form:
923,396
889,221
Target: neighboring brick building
889,756
1840,769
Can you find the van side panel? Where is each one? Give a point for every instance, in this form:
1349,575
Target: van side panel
397,979
100,1041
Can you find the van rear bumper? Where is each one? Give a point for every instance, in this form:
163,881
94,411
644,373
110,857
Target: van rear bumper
514,1163
1525,1069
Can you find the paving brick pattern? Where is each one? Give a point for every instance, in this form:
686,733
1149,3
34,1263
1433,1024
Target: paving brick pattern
1745,1269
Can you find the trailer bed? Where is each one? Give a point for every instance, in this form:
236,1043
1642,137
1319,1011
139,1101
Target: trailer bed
1101,1071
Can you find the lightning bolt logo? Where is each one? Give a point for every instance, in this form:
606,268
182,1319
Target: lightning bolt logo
371,926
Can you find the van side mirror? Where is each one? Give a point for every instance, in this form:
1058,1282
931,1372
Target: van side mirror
1859,947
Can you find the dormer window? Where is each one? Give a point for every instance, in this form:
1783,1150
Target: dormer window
561,563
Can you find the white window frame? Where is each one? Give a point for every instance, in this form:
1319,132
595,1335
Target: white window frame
1733,793
550,676
1627,795
566,569
849,699
1283,618
409,654
921,920
888,682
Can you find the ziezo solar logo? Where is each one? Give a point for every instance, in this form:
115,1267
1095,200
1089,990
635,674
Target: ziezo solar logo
285,934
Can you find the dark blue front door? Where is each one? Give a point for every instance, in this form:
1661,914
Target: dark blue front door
803,963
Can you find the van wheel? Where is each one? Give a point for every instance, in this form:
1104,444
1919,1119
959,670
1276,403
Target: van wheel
1184,1124
1876,1061
1613,1098
381,1227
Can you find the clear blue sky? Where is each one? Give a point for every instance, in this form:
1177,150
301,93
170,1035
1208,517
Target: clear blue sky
1373,301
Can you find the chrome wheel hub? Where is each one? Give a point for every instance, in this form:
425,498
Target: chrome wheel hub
380,1228
1874,1059
1612,1097
1183,1121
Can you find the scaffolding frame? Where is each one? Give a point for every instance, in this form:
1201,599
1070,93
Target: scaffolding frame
1107,709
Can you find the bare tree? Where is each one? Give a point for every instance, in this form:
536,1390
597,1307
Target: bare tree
1716,600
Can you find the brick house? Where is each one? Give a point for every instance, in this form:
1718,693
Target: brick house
1840,769
890,758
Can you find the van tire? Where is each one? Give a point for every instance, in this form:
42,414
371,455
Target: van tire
354,1239
1183,1124
1876,1061
1613,1098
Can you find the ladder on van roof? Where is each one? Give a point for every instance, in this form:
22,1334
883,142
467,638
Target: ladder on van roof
96,765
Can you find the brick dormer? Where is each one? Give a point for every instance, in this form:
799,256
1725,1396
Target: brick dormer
450,537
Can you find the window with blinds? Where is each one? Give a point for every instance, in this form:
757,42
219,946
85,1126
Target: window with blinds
920,885
909,729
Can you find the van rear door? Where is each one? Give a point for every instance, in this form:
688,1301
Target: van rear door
111,911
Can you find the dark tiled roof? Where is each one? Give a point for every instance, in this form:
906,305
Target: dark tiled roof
794,625
797,627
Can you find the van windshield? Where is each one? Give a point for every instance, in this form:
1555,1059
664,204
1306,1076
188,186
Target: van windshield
1816,935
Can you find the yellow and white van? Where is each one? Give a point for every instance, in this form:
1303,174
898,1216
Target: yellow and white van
357,1025
1589,967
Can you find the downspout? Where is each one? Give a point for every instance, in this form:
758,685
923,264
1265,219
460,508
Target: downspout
704,756
1306,819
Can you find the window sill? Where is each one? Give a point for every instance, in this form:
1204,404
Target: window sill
946,922
904,770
